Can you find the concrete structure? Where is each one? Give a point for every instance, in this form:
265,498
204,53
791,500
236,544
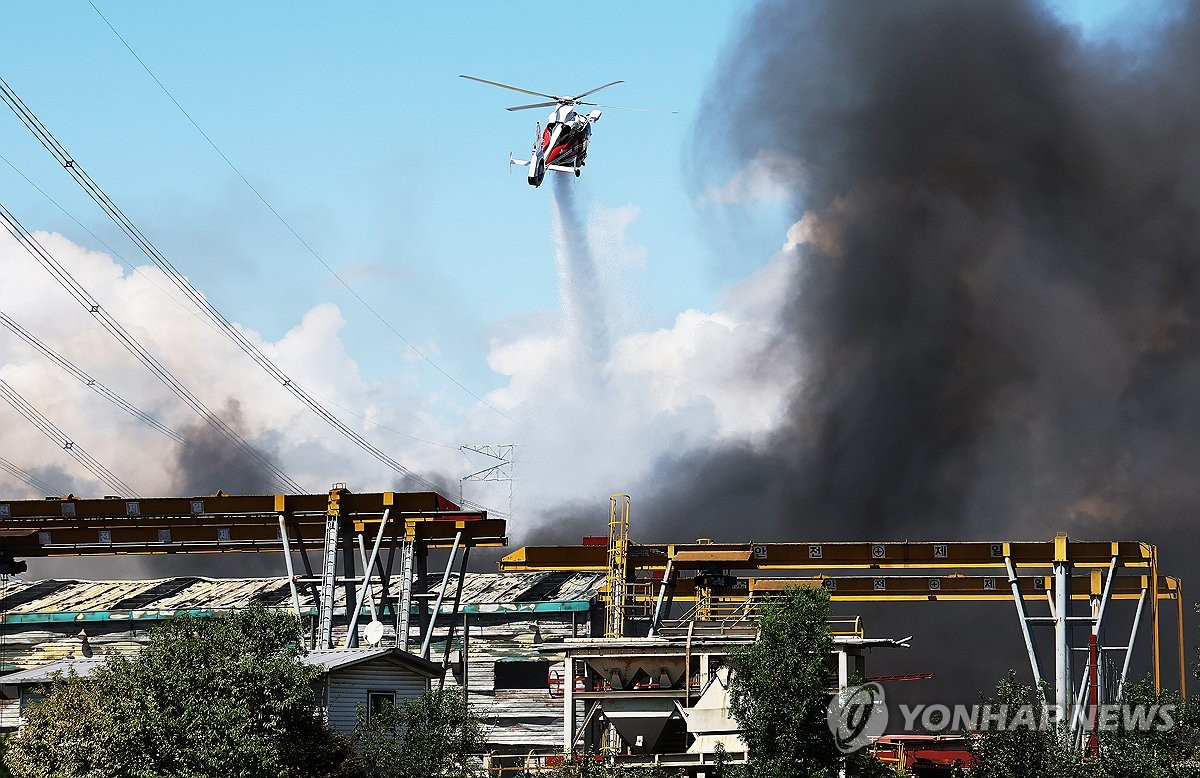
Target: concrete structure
664,700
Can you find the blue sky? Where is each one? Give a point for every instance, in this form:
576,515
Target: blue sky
352,122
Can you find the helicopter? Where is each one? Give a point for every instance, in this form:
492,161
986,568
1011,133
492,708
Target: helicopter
563,145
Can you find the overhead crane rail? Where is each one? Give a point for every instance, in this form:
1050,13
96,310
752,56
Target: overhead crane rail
72,526
412,523
831,556
1055,573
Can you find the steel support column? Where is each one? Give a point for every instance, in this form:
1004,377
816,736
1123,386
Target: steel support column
368,569
437,605
1023,618
1062,628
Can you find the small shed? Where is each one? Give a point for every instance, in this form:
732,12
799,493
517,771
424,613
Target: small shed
350,678
21,688
367,678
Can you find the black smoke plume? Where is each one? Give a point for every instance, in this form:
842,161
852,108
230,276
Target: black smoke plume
214,463
996,287
995,294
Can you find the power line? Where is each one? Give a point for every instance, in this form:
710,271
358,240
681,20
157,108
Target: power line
181,282
134,347
112,251
308,247
47,427
28,477
91,383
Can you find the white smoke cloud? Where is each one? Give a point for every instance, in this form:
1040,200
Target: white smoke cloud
597,407
598,428
311,353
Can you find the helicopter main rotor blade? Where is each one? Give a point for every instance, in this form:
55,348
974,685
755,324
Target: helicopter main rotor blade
627,108
532,105
508,86
597,89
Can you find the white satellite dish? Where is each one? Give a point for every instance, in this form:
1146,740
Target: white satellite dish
374,633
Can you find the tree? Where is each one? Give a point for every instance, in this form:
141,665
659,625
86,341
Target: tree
205,697
436,734
1038,750
1152,752
779,692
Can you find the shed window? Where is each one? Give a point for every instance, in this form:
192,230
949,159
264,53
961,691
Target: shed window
378,701
522,675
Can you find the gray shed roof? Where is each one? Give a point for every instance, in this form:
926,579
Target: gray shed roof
337,658
326,660
83,667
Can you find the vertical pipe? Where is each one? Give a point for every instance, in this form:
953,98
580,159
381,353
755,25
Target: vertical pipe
466,658
1182,649
1062,638
404,607
349,582
421,565
569,707
1154,619
1093,739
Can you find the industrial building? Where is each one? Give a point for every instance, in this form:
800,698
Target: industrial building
610,646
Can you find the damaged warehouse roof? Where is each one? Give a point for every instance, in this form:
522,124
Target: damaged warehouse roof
72,600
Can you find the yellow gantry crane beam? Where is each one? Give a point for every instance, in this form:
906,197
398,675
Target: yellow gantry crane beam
71,526
910,588
833,556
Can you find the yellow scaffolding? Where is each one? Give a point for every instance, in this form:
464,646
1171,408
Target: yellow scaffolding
618,565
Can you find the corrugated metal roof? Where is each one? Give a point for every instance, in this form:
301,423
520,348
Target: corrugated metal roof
542,586
131,599
83,667
337,658
326,660
340,657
